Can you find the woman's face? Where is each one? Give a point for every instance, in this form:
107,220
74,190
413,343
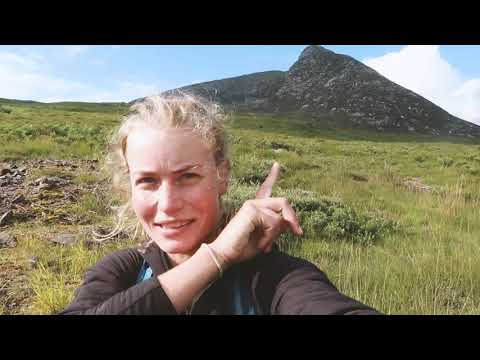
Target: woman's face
175,187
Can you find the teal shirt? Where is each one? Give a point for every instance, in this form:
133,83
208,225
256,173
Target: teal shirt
242,303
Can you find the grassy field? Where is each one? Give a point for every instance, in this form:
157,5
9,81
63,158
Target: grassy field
394,220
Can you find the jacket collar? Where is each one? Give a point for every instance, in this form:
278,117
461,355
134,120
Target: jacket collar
156,258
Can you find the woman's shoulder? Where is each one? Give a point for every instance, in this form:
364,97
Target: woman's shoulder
278,267
280,260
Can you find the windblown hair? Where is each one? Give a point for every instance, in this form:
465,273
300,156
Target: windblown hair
178,110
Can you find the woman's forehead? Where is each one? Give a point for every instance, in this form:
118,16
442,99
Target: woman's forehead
167,149
174,169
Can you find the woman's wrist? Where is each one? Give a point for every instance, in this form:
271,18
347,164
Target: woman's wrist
186,281
217,250
214,257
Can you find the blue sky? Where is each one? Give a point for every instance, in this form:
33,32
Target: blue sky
447,75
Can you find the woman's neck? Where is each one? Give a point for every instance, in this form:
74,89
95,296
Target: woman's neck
178,258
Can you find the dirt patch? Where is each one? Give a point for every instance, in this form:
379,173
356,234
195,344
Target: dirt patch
43,198
15,292
357,177
416,185
38,192
7,240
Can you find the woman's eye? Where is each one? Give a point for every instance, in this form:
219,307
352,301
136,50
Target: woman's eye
189,178
147,180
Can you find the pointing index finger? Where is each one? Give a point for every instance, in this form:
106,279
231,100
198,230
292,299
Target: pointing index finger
265,190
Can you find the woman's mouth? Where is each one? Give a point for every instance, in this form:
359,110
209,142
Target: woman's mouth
171,227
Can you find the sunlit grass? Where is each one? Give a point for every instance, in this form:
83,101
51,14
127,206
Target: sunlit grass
402,251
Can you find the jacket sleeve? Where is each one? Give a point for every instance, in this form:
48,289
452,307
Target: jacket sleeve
110,288
300,288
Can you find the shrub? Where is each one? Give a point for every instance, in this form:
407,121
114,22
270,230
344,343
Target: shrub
323,217
420,158
252,171
5,110
333,220
446,162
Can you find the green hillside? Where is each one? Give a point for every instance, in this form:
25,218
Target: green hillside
392,219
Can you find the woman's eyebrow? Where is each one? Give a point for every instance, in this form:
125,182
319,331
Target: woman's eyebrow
182,169
144,173
187,167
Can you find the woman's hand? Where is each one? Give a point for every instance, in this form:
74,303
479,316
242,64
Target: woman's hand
258,223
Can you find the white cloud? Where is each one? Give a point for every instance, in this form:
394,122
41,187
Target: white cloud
123,91
26,77
422,69
11,60
75,50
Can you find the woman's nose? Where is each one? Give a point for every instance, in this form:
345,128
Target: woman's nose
169,199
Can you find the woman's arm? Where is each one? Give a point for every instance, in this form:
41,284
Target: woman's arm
109,289
300,288
110,286
187,280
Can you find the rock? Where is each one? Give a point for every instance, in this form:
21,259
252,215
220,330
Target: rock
50,182
19,199
4,169
5,217
70,197
415,185
33,262
65,239
7,240
39,180
276,146
102,231
357,177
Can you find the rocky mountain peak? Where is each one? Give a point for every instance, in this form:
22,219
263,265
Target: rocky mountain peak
336,89
314,51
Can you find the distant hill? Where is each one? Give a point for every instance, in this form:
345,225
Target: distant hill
248,92
18,102
75,106
334,89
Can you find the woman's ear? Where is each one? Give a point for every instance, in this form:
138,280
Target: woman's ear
223,176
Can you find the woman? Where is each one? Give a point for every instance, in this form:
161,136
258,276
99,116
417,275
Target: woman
196,261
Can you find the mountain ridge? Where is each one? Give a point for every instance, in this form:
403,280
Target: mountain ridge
336,88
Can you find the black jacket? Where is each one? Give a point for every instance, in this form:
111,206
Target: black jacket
278,284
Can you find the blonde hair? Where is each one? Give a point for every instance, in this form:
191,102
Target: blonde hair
177,110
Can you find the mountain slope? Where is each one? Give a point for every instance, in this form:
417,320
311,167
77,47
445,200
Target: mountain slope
336,88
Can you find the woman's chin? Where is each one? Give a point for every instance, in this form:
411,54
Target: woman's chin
174,246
